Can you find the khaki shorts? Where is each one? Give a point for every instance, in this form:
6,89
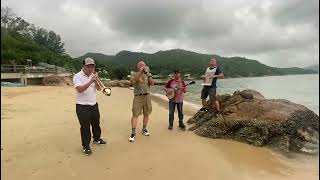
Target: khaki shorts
141,104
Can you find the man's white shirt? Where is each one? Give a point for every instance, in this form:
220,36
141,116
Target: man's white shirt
209,73
89,96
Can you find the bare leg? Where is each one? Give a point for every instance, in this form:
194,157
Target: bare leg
217,105
134,121
145,120
204,103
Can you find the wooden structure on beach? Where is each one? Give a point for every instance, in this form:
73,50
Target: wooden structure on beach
22,73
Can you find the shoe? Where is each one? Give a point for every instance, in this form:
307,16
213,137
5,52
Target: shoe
203,109
100,141
131,138
170,127
182,127
87,151
145,132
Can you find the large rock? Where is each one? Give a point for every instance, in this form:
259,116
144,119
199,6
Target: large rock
117,83
57,81
248,117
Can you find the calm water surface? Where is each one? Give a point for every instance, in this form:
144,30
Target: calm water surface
301,89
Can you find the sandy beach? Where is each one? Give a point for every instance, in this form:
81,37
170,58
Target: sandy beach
40,139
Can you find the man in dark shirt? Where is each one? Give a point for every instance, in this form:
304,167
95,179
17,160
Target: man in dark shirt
213,73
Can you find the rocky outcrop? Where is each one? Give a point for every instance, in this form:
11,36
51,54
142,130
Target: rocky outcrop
57,81
248,117
117,83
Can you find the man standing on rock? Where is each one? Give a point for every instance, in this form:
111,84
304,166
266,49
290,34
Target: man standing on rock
213,73
179,87
86,105
141,80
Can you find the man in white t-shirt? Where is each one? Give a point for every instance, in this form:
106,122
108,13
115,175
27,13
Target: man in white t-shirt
86,105
213,73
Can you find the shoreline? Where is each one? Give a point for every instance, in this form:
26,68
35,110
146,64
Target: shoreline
189,109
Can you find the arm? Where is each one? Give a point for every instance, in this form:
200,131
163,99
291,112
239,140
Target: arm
184,90
219,76
135,77
81,88
84,87
203,77
184,87
167,87
150,80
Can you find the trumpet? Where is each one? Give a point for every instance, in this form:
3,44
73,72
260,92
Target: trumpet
105,90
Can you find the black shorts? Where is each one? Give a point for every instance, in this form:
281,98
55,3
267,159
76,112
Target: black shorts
208,91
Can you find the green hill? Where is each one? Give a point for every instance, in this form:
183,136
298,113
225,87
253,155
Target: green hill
163,62
16,48
21,40
313,67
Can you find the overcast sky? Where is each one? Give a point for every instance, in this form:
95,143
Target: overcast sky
281,33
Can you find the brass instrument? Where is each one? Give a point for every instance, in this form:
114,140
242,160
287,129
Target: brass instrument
105,90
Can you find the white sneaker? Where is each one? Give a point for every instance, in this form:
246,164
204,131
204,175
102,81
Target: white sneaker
131,138
145,132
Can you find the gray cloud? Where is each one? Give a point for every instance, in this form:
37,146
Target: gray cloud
277,33
148,19
296,11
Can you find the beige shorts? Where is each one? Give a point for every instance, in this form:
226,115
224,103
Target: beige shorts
141,104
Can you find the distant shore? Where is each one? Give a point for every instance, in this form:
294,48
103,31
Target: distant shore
163,81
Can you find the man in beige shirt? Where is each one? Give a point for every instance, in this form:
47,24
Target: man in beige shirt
141,80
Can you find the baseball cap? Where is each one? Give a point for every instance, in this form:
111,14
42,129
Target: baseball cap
88,61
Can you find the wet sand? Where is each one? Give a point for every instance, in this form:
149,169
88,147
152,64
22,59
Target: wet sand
41,140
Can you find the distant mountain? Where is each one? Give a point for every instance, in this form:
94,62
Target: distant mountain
98,57
313,67
164,62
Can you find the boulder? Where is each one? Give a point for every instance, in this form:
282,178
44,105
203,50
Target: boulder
251,94
57,81
117,83
248,117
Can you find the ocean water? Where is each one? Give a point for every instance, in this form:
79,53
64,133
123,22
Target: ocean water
300,89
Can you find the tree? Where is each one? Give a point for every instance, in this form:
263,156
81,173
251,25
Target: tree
41,37
54,42
119,73
6,16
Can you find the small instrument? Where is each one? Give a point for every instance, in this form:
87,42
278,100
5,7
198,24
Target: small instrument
146,69
105,90
171,94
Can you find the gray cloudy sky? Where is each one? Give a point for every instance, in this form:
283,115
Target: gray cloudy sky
279,33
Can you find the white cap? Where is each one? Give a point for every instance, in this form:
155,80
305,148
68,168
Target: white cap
88,61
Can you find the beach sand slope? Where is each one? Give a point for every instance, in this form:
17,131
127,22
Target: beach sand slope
40,139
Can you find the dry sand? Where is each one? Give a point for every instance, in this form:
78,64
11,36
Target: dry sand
40,138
